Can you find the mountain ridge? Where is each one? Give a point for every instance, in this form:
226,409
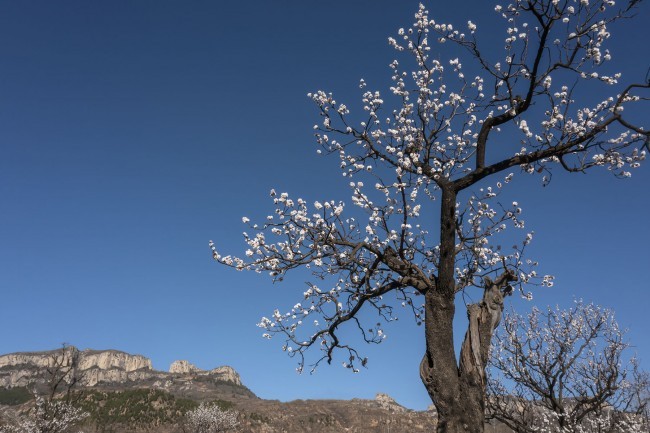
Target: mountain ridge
99,367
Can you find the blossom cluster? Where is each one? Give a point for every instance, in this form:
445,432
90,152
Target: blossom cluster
431,133
210,418
48,417
358,258
562,371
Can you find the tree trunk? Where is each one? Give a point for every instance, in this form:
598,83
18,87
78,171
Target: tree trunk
458,390
459,402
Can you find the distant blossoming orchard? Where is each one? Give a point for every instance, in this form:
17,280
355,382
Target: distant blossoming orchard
424,221
210,418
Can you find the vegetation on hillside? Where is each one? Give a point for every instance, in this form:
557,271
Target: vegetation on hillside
14,396
137,408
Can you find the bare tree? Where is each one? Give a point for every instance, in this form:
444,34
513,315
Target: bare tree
62,372
564,371
640,403
423,225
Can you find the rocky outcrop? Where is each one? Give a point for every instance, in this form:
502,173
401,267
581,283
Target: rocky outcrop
225,373
384,399
101,367
386,402
88,359
92,366
113,359
183,367
32,359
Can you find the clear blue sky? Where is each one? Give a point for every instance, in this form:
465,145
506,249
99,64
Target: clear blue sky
131,133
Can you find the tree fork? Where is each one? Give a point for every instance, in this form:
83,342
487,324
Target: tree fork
455,401
458,390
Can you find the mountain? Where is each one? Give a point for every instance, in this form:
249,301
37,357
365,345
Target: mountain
123,393
113,369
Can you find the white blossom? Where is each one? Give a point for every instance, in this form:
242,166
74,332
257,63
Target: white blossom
210,418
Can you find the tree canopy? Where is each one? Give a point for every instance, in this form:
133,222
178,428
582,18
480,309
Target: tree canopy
424,220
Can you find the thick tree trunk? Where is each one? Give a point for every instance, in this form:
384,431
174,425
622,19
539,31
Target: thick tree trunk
459,406
458,389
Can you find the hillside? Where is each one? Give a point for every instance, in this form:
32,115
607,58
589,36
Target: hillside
123,393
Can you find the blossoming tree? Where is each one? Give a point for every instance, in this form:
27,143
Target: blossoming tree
210,418
54,411
564,371
48,417
423,223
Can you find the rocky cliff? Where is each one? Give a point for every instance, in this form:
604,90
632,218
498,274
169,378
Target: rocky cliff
103,368
183,367
113,359
225,373
386,402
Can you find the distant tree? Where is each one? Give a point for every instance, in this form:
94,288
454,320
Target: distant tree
641,400
48,416
210,418
62,372
54,410
563,371
423,226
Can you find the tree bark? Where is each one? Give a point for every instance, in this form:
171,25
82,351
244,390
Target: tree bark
440,374
458,389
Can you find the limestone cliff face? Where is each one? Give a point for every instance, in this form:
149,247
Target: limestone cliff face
93,367
224,373
99,367
227,373
34,359
104,359
110,359
183,367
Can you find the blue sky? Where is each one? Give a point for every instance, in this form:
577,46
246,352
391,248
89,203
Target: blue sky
132,133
